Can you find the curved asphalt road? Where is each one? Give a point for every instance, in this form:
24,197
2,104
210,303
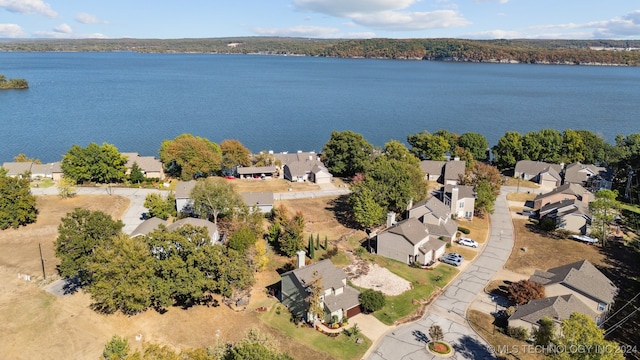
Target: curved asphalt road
449,310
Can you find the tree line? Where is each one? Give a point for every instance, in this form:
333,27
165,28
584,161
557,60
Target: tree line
13,83
522,50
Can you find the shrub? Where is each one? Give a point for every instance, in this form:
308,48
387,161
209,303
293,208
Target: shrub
518,333
464,230
372,300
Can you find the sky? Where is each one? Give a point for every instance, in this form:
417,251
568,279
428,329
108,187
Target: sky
327,19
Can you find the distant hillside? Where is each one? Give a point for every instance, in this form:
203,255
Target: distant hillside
581,52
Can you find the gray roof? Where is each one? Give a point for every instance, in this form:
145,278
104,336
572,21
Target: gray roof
332,276
557,308
535,167
582,277
579,173
148,226
211,227
570,189
183,189
432,167
300,168
17,168
247,170
349,298
553,172
146,163
432,244
464,191
565,207
287,158
257,198
437,208
453,169
411,229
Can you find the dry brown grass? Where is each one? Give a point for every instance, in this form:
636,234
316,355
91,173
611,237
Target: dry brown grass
522,183
544,252
483,324
275,185
520,196
479,227
39,325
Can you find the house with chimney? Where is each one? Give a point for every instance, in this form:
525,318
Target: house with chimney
303,166
410,242
443,172
568,214
589,176
436,216
543,173
460,199
563,192
338,300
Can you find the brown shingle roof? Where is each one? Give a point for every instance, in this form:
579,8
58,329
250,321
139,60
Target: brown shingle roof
411,229
183,189
535,167
331,276
453,169
570,189
257,198
557,308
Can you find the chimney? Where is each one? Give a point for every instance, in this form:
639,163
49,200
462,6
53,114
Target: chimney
391,219
301,258
454,199
410,204
457,158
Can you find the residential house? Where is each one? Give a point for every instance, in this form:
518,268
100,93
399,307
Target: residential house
460,199
151,167
337,299
433,170
444,172
453,170
436,216
154,223
569,214
582,280
557,308
409,241
543,173
262,200
256,172
49,170
589,176
303,166
563,192
184,203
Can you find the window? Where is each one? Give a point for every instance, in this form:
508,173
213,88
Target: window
601,307
461,204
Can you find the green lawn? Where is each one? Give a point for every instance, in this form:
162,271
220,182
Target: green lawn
341,347
423,281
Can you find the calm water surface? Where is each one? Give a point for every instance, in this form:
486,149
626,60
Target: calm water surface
135,101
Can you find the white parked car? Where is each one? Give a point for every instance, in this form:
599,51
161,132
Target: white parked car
468,242
585,239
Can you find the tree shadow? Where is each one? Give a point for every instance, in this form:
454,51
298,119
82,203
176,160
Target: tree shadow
420,336
342,212
470,348
71,286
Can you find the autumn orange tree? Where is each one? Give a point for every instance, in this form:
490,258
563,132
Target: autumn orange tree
523,291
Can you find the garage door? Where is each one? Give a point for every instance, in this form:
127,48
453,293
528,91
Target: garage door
354,311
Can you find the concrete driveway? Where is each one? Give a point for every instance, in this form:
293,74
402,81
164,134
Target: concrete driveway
449,310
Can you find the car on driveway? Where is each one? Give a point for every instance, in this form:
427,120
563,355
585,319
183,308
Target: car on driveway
452,259
468,242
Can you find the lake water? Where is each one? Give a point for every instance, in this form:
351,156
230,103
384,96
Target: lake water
135,101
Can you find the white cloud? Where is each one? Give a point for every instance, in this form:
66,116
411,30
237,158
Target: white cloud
626,26
11,31
395,20
57,34
85,18
63,28
346,8
28,7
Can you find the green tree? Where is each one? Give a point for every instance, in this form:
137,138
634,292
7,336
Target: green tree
291,239
508,151
366,210
604,210
573,147
242,239
396,150
121,276
429,147
188,157
215,197
116,349
476,143
546,332
451,138
372,300
531,146
95,163
580,331
234,154
136,175
347,153
595,148
485,200
551,143
312,248
160,207
265,158
80,233
17,204
255,346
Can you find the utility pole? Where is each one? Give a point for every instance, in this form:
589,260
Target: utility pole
44,275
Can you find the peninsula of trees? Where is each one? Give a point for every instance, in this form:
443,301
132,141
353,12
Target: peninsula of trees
574,52
13,83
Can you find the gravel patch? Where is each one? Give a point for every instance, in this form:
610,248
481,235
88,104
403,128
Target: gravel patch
373,276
